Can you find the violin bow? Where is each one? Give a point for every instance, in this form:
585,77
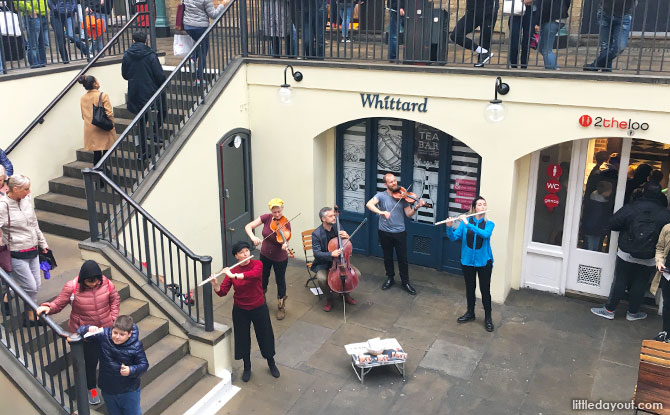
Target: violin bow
455,219
401,198
281,227
221,272
354,233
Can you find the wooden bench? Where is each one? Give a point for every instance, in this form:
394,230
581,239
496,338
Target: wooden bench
653,379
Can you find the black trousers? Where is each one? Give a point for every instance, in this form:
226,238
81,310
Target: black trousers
91,363
260,317
398,242
665,286
480,14
470,274
280,274
635,276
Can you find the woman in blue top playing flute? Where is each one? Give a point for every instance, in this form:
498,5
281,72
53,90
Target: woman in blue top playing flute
476,257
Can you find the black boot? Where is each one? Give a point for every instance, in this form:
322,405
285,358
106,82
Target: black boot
273,368
246,374
488,323
468,316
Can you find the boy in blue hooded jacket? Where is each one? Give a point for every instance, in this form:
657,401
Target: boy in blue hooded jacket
122,362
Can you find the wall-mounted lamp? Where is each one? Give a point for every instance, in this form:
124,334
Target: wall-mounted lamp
495,111
285,88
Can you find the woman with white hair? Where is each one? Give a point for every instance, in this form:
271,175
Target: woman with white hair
22,235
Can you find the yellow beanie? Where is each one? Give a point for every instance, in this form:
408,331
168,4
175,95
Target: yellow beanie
275,202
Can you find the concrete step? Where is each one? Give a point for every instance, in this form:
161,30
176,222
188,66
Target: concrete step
122,112
62,225
163,355
64,205
172,384
193,395
118,175
74,187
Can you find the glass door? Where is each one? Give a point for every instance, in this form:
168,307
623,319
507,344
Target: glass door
600,191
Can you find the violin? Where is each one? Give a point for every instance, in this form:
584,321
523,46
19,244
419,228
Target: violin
342,277
410,197
278,226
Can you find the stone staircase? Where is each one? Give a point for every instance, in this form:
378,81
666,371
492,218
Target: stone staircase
63,211
175,380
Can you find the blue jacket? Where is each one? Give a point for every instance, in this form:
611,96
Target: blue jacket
130,353
66,7
4,160
476,241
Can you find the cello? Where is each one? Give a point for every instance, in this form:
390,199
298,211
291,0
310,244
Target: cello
342,277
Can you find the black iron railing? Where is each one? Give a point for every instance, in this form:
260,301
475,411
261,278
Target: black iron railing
120,41
157,124
164,261
35,35
53,356
439,32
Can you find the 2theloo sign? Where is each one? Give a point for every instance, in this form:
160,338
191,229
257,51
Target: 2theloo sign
611,122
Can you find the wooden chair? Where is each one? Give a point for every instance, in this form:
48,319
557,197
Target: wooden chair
653,379
309,258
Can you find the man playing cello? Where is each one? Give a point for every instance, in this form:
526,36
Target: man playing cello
323,259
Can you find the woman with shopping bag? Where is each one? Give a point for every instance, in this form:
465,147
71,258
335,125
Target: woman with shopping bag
96,139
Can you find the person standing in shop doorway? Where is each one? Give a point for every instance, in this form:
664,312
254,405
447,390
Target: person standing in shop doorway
662,280
639,223
392,235
476,257
478,14
273,254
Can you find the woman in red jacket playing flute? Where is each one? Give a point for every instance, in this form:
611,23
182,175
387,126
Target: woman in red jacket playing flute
248,307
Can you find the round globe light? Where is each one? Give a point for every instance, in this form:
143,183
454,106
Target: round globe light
495,111
285,94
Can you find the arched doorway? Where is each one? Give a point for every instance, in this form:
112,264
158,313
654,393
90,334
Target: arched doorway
437,166
575,187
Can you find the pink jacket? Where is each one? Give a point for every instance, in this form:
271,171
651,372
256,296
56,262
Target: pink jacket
98,306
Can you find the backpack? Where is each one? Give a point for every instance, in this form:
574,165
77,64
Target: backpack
643,232
76,285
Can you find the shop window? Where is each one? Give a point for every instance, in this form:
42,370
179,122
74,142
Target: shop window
552,173
389,148
426,169
464,177
353,172
599,189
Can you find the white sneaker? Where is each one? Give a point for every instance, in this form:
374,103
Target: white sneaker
640,315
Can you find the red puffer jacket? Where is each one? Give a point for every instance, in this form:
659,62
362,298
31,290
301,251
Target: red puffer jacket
98,306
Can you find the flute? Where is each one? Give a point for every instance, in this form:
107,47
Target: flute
467,216
216,275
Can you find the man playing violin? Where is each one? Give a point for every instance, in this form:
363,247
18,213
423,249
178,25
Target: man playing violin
392,235
323,259
273,253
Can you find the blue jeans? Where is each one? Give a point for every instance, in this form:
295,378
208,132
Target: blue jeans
38,40
393,33
97,44
313,28
123,404
548,32
1,61
59,24
201,54
614,31
346,11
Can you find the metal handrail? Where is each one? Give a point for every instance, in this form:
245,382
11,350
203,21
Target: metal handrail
162,89
40,118
144,213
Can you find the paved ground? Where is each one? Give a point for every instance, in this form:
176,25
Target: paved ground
545,351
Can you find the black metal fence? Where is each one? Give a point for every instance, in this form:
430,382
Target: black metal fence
53,356
549,34
35,35
163,260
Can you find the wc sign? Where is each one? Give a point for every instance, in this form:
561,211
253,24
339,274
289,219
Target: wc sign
552,186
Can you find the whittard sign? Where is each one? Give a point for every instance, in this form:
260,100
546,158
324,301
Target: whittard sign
392,103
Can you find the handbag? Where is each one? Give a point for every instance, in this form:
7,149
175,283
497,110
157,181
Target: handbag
100,118
182,45
514,7
5,254
179,23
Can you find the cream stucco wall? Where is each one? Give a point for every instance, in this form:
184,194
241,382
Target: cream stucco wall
48,146
293,145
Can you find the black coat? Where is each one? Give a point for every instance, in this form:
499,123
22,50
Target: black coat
144,74
395,4
618,7
322,257
551,10
130,353
623,218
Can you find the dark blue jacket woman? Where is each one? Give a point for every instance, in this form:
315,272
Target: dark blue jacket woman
130,353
